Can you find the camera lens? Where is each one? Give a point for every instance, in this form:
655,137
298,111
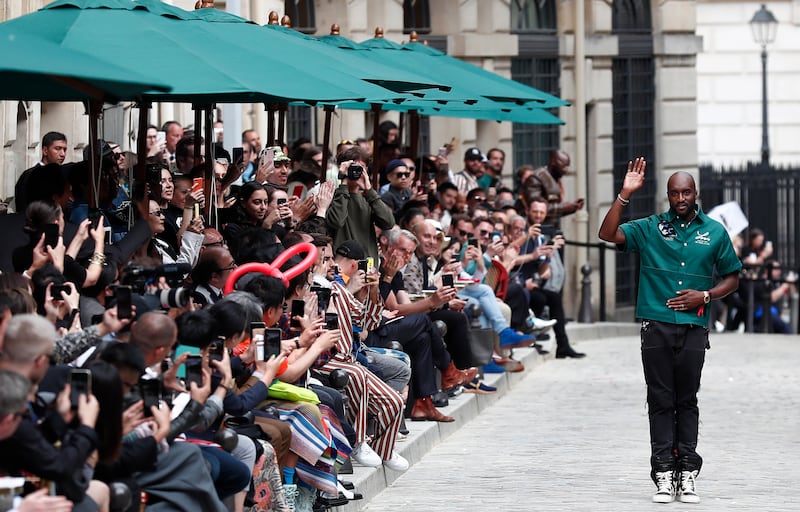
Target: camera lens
174,298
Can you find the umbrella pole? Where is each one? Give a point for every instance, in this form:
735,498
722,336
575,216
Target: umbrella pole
270,124
198,125
376,126
413,135
95,107
401,128
326,143
208,132
281,121
141,144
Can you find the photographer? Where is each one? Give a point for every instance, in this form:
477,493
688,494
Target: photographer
356,207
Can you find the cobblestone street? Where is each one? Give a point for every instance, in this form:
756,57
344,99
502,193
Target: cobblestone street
573,436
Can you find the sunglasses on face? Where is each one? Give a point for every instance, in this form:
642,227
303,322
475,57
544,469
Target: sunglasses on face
483,232
479,199
157,213
402,174
463,233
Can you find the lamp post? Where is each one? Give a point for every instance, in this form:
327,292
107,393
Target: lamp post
764,26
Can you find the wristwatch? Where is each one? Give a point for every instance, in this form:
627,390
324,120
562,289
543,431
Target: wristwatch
706,297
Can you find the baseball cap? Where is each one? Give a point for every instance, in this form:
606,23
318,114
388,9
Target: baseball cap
280,156
351,249
394,164
473,154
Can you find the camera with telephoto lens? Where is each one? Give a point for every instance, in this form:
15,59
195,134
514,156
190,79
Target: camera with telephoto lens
354,171
139,278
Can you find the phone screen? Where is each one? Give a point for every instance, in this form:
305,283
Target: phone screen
272,343
51,235
362,265
94,217
331,321
473,242
56,289
238,155
447,280
161,137
123,295
216,349
150,391
298,309
323,297
80,381
257,336
194,370
280,201
268,156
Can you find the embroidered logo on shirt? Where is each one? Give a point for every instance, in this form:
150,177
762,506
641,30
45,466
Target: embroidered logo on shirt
702,238
666,229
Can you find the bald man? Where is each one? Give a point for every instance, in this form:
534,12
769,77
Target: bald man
674,323
154,334
546,182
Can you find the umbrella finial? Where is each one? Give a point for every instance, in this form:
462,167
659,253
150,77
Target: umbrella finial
425,42
413,36
334,29
378,33
273,18
204,4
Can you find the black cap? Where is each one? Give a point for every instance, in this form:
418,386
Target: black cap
473,154
351,249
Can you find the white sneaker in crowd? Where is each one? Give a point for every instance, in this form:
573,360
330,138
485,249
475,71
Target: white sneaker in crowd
365,455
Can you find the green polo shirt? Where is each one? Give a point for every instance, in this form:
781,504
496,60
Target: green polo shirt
676,255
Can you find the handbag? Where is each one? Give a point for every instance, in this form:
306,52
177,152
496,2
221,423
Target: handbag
481,346
291,393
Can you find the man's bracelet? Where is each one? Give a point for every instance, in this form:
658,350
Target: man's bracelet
623,201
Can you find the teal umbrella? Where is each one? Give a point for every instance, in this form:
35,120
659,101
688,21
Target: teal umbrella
179,46
64,75
466,79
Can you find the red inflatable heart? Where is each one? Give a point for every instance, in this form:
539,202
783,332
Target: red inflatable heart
273,269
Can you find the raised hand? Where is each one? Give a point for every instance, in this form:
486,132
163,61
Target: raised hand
634,177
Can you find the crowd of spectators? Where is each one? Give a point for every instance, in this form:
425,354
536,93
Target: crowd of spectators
128,354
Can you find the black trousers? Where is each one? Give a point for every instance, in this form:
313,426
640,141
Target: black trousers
422,343
672,359
457,338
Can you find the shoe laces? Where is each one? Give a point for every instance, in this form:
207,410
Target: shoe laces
687,481
664,481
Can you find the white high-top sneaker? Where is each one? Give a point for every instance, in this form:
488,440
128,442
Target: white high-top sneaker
687,490
665,481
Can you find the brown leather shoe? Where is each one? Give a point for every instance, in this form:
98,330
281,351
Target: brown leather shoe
453,377
425,411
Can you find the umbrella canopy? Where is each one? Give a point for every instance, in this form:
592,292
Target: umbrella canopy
64,75
467,80
179,46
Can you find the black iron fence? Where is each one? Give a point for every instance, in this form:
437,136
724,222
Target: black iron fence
768,196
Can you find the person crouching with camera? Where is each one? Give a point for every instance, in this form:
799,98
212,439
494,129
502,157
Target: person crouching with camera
356,207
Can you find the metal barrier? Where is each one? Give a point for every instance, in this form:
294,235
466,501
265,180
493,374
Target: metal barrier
585,309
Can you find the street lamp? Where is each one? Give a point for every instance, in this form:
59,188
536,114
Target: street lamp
764,26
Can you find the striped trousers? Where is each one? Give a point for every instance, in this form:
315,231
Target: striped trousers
370,395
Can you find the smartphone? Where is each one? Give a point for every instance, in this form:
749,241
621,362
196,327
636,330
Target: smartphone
194,370
50,235
323,297
548,230
56,289
473,241
80,382
150,391
496,236
161,137
272,343
268,157
216,349
447,280
238,155
257,336
298,309
362,265
198,185
124,301
331,321
336,269
94,217
280,201
443,152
